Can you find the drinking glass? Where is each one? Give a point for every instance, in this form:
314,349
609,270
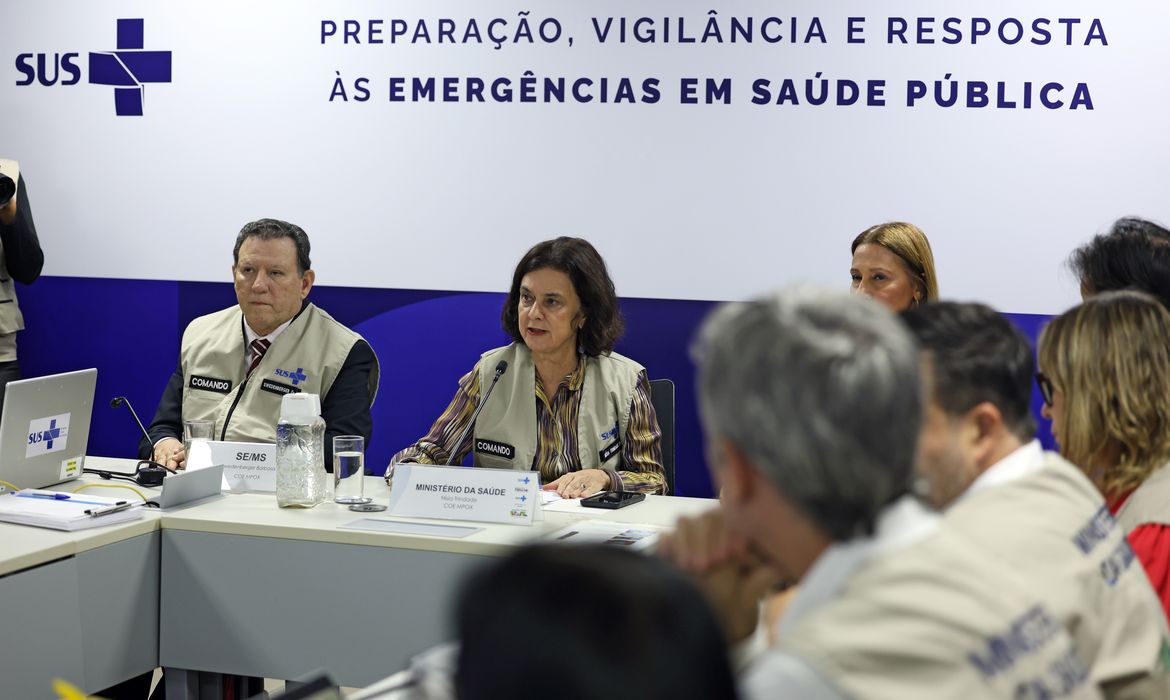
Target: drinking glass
197,430
349,474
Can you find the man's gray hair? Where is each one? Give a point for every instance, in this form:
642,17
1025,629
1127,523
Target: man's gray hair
821,391
269,229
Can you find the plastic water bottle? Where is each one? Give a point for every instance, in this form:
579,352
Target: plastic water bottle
300,452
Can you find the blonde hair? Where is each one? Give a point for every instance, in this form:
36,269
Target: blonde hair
1110,357
909,243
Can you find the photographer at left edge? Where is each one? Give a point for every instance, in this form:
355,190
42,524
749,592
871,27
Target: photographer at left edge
21,261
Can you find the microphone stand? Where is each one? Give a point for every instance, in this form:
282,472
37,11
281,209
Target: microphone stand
500,369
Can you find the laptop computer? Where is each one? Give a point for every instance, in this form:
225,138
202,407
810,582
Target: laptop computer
44,430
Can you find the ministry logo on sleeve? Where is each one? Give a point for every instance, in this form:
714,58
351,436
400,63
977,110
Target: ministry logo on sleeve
47,435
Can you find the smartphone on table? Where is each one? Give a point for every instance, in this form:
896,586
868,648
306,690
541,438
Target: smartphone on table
612,499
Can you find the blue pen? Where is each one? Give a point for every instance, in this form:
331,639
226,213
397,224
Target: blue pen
57,496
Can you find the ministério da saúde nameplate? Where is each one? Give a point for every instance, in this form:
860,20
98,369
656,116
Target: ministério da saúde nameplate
464,493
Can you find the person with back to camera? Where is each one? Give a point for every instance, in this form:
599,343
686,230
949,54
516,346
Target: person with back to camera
1105,379
590,425
1133,254
893,264
986,471
638,629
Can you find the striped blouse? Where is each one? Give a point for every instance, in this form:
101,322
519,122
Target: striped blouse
556,441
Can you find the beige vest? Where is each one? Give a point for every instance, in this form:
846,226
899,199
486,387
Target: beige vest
1149,503
506,430
11,320
306,356
935,620
1053,527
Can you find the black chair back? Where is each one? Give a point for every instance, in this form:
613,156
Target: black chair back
662,396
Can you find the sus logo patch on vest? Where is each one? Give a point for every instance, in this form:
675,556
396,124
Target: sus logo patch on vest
611,450
611,433
499,449
297,376
222,386
278,388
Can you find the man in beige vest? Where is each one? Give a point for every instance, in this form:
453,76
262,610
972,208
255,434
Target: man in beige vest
235,365
21,260
811,403
983,466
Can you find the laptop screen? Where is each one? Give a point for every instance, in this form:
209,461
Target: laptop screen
44,428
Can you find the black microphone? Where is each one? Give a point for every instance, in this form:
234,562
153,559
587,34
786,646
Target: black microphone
120,400
149,472
500,369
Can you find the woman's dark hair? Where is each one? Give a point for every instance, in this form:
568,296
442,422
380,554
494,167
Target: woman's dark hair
1134,254
587,622
578,259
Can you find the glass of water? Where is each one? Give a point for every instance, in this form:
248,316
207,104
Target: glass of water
349,469
195,430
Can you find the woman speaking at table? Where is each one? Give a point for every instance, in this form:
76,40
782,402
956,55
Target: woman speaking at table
564,403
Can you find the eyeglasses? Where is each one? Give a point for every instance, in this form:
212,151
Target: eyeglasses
1046,389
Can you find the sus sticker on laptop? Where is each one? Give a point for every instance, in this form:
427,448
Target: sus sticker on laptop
47,435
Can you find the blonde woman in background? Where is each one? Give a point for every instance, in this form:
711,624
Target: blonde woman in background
893,264
1105,379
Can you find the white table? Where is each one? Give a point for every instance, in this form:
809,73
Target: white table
77,605
253,589
241,586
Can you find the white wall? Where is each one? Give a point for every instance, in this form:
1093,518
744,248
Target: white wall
685,201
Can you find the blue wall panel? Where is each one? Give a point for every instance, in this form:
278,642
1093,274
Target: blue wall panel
1032,324
130,330
125,328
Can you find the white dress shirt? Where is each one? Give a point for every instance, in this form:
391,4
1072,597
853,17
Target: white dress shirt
1022,461
251,335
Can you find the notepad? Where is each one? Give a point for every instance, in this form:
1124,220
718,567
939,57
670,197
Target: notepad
65,511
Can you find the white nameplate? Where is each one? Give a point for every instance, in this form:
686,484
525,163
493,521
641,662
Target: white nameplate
247,466
464,493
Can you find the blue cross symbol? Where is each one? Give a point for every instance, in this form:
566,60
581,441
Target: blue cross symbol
129,68
300,376
525,481
51,434
523,499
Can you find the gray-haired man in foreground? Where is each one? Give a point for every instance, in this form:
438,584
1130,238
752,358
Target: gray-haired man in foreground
812,404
